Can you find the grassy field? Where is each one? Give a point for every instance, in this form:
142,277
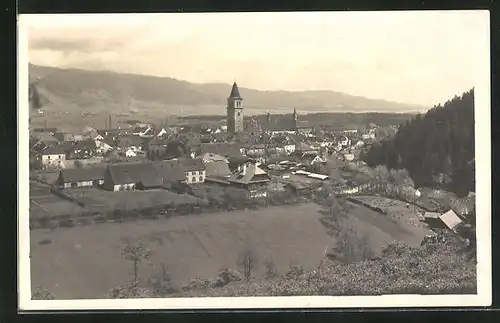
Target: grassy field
85,262
101,200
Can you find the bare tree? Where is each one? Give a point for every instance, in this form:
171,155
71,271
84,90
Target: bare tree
248,262
271,270
136,253
351,248
42,294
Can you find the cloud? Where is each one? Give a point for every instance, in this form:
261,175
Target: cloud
413,57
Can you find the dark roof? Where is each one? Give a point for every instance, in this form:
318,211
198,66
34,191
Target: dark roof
192,164
235,92
225,149
85,145
54,150
169,170
82,174
217,168
143,173
45,130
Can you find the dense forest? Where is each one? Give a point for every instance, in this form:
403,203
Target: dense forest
437,148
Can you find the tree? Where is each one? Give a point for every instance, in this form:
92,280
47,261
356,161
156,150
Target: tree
136,253
248,262
41,293
271,270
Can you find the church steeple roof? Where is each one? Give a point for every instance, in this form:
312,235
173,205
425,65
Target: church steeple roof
235,92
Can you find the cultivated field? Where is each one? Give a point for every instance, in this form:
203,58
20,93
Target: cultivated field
85,262
397,210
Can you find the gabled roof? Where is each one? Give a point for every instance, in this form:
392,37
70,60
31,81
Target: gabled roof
221,148
169,170
85,145
190,165
249,173
144,173
450,219
54,150
235,92
219,168
210,157
82,174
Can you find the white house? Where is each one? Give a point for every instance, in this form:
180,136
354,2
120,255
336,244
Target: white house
53,156
130,153
289,148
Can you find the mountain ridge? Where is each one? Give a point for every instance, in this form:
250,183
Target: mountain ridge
93,91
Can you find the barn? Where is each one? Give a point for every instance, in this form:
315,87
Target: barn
131,176
81,177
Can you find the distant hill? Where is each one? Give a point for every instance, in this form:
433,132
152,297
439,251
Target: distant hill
436,148
74,90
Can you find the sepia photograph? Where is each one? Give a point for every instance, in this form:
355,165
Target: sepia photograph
254,160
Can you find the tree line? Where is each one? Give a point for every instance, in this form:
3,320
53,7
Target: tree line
436,148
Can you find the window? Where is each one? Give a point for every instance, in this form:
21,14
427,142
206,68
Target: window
186,173
48,157
239,113
195,173
201,178
193,179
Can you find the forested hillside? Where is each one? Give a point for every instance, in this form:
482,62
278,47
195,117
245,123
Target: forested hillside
436,148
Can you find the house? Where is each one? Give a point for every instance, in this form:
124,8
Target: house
249,176
53,156
305,148
143,131
307,158
194,170
289,147
344,141
83,149
131,176
349,157
217,168
62,136
210,157
225,149
102,146
81,177
450,219
256,150
126,142
130,153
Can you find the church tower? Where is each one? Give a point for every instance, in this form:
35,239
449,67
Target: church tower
295,121
235,111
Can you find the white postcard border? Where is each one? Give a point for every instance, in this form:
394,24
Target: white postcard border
483,205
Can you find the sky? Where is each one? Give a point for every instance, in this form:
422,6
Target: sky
411,57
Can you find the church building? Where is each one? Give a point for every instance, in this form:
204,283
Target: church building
235,111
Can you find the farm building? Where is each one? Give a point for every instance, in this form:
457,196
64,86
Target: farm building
194,170
170,171
219,168
251,177
125,177
53,156
450,219
81,177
